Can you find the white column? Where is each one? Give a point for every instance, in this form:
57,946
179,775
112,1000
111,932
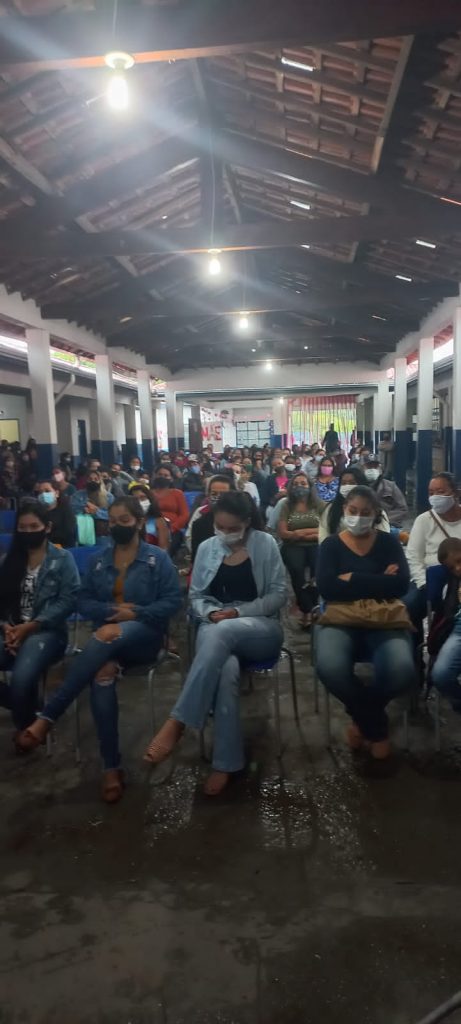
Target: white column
382,411
456,394
131,446
424,419
43,408
106,446
170,402
147,420
400,422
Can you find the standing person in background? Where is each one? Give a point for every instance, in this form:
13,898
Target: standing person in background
389,494
172,504
63,524
327,482
331,440
298,529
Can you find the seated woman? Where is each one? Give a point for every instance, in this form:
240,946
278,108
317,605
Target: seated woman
130,593
63,524
428,530
444,640
244,483
201,523
332,518
172,504
237,590
93,500
327,481
298,529
38,591
389,494
61,479
156,532
361,562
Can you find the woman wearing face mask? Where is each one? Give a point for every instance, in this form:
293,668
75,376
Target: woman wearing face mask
245,483
237,590
63,524
172,504
298,529
389,494
156,531
61,483
94,501
359,563
312,461
332,518
428,531
38,591
130,593
276,483
193,479
327,482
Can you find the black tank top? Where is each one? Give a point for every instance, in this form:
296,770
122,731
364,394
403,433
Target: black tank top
234,583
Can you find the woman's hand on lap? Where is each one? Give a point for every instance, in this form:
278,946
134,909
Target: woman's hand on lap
391,570
123,613
108,633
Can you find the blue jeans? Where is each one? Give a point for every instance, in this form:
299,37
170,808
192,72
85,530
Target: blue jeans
137,644
390,652
213,681
447,667
34,657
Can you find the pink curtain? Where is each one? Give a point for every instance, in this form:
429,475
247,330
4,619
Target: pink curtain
309,418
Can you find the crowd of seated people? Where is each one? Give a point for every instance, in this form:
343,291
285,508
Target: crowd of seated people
247,520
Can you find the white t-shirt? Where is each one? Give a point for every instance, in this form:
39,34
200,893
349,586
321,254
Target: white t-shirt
425,539
28,588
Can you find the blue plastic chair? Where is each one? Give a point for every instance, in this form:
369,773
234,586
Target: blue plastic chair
191,496
7,521
5,541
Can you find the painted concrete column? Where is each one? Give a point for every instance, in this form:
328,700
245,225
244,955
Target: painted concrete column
131,446
170,402
360,420
280,421
43,407
147,420
424,419
456,394
400,422
105,447
382,412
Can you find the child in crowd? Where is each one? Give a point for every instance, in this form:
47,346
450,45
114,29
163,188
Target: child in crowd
446,670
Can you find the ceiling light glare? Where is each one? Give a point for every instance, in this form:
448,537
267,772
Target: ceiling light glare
244,321
299,204
403,277
427,245
117,93
214,265
298,64
268,365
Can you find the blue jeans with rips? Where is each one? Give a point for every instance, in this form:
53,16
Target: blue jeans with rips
213,681
338,649
37,654
137,644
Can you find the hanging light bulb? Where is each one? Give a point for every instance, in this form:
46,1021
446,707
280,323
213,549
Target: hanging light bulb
117,93
214,265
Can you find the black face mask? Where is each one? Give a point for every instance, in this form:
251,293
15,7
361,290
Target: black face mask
161,481
30,541
92,487
123,534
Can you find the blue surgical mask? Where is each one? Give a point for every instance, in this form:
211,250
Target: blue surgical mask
47,498
195,469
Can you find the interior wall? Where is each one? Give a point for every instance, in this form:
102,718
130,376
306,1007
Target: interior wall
14,407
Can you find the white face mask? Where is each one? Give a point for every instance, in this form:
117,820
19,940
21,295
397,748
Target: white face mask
441,502
145,505
372,475
358,525
229,538
346,489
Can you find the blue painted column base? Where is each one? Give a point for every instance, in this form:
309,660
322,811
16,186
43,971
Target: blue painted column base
130,449
173,444
105,451
423,467
148,455
449,448
456,467
401,459
276,441
368,439
47,458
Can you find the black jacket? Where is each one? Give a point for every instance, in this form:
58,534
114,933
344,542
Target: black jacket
63,525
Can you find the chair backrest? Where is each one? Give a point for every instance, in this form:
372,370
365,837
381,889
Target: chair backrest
83,555
7,520
190,497
5,541
436,579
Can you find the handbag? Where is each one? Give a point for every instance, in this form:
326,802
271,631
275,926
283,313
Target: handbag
367,613
86,532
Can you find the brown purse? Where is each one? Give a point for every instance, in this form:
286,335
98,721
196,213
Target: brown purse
367,613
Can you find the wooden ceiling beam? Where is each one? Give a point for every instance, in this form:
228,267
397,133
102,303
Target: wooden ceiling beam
204,27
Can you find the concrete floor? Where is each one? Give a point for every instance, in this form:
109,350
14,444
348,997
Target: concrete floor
333,896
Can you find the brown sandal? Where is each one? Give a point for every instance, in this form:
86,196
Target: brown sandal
113,785
28,740
164,742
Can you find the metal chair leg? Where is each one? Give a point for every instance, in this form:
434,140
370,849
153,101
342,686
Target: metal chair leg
437,723
150,687
278,725
294,692
78,754
327,719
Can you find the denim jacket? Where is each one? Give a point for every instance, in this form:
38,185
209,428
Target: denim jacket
151,584
57,590
80,500
268,572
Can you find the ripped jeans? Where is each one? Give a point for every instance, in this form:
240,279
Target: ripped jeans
138,644
34,657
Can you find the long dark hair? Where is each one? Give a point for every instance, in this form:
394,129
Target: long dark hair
335,511
242,506
312,499
14,565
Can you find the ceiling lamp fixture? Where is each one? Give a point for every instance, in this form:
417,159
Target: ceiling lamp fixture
299,204
305,246
214,265
244,321
306,347
117,93
268,365
374,316
427,245
403,277
298,64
